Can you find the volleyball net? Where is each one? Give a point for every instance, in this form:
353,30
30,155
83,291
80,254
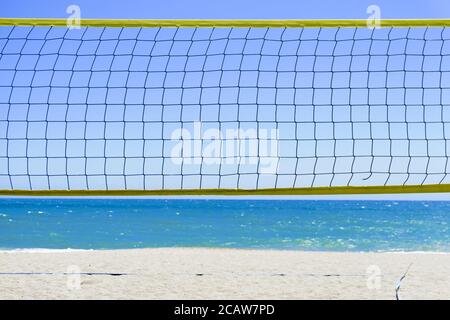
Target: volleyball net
218,107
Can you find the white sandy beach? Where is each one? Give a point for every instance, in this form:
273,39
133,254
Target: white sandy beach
222,274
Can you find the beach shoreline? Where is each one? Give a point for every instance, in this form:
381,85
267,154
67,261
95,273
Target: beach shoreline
218,273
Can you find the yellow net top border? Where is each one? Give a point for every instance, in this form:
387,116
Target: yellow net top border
57,22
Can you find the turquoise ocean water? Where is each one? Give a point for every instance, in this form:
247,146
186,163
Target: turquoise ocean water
276,224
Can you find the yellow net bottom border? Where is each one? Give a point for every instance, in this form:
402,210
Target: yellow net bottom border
344,190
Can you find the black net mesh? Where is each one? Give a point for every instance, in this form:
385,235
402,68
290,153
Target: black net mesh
205,108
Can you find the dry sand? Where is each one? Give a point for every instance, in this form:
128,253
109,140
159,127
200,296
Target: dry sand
222,274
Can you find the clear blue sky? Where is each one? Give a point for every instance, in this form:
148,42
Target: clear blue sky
59,148
229,9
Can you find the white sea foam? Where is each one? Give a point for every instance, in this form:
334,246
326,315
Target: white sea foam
42,250
69,250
